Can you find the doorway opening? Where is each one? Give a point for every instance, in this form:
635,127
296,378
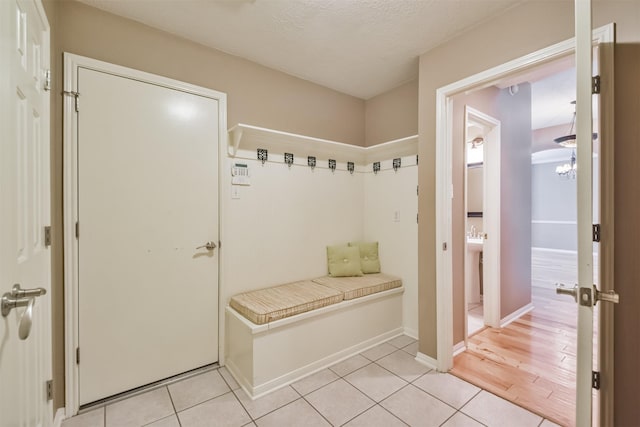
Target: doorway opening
509,79
481,218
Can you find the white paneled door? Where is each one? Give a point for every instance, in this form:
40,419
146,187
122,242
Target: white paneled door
25,260
147,174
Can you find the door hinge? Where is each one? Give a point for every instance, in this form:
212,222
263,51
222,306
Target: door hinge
596,232
47,80
417,190
417,219
595,84
595,380
76,95
77,230
47,236
49,389
77,355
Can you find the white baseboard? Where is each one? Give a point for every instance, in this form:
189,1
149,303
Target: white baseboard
428,361
516,315
557,251
59,417
552,250
257,391
459,348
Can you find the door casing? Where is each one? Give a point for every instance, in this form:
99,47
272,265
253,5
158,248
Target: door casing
491,217
603,36
70,201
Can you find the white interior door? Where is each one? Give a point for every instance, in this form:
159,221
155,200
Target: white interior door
586,294
147,198
25,364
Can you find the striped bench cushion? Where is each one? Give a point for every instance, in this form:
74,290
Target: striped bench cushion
266,305
356,287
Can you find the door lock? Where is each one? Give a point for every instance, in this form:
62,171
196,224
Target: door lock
587,297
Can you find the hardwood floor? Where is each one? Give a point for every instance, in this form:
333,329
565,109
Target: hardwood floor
530,362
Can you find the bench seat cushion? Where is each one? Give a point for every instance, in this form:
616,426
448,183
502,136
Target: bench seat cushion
356,287
266,305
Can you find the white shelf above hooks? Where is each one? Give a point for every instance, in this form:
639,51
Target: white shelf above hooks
247,137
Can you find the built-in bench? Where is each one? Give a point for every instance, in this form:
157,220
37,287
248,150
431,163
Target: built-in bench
275,336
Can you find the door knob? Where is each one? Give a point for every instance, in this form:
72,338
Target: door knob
18,297
18,292
208,245
561,289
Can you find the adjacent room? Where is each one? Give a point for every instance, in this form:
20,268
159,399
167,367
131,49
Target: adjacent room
529,356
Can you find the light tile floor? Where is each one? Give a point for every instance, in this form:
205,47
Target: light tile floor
382,386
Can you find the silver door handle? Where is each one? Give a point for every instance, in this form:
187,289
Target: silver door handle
608,296
18,292
18,298
587,296
209,246
561,289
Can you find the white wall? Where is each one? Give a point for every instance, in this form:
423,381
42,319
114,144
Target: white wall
385,194
278,229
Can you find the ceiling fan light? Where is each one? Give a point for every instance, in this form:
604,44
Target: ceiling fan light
569,141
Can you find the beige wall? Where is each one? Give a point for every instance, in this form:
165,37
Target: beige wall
392,115
508,36
627,234
256,95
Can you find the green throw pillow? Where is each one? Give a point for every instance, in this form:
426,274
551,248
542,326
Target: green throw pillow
368,256
343,261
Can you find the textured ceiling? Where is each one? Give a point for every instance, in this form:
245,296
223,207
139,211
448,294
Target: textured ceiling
359,47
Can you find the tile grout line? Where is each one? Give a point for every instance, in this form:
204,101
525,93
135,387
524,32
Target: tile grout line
392,414
242,406
316,409
436,397
358,414
451,416
316,389
175,412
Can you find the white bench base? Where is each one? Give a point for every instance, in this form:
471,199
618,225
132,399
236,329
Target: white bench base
264,358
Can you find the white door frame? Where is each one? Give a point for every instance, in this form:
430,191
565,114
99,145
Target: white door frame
490,216
70,200
444,145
